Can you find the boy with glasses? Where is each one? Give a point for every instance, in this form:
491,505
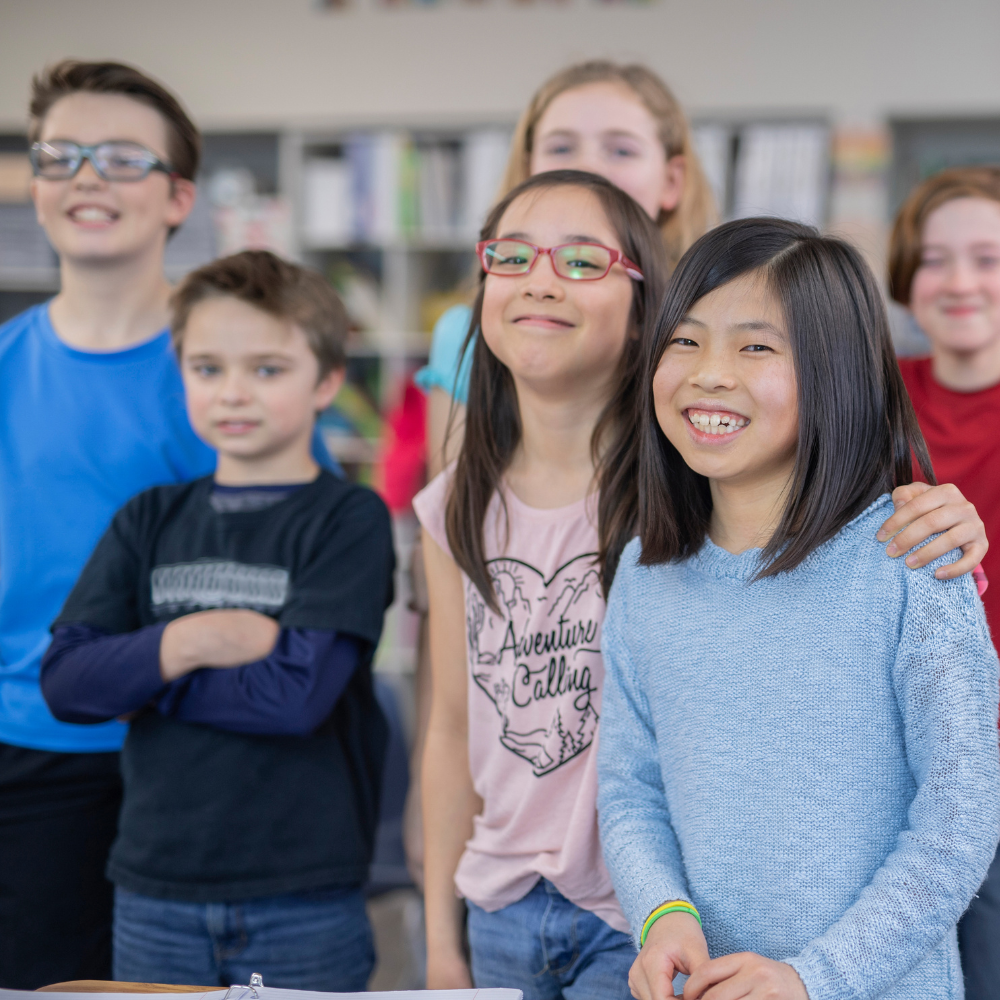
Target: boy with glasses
92,412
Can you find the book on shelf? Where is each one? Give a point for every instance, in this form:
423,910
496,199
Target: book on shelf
326,194
484,155
194,243
439,169
783,170
389,189
24,246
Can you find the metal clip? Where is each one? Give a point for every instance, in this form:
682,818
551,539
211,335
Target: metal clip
248,992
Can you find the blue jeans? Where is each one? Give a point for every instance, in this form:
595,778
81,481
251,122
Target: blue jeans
319,940
550,948
979,939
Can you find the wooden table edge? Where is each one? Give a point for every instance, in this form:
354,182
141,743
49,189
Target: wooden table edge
101,986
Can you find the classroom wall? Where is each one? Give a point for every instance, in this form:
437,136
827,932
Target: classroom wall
250,63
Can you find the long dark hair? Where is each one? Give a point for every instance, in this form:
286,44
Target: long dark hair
493,421
857,430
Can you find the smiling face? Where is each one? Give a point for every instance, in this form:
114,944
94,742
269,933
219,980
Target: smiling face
558,336
725,389
955,295
252,386
604,128
88,219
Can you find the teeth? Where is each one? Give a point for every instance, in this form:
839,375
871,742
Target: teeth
717,423
92,215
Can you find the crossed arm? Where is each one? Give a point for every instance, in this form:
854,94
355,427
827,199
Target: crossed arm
233,669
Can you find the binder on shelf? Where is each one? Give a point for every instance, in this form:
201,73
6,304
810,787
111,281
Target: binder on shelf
439,191
376,162
484,157
327,211
23,243
386,188
194,244
783,170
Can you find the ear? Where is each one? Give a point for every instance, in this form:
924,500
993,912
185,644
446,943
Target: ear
182,196
328,387
674,175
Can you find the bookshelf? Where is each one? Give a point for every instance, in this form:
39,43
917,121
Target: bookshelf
923,146
767,165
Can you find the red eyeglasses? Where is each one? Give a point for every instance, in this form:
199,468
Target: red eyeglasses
576,261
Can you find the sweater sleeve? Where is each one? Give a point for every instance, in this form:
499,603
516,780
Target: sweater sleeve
640,847
288,693
945,678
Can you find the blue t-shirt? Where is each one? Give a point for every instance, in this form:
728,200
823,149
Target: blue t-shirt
442,369
80,433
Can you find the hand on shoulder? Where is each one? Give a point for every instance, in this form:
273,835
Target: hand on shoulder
923,511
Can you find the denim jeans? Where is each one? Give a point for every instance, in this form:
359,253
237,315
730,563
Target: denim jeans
319,940
979,939
550,948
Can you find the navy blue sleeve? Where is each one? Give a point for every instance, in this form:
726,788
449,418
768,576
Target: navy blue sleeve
88,675
288,693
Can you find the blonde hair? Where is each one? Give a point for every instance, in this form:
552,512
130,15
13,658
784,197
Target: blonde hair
696,212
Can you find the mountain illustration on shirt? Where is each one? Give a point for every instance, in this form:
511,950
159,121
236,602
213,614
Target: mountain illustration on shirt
539,661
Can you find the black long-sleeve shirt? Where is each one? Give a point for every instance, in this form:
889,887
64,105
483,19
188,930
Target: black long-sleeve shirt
90,676
257,780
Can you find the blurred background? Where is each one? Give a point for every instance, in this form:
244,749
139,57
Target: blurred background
367,138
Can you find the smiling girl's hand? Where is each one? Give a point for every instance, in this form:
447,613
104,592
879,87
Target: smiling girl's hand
922,511
745,976
675,944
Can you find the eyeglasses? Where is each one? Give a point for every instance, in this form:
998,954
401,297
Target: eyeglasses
576,261
60,160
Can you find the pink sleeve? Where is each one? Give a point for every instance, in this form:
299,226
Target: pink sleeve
429,505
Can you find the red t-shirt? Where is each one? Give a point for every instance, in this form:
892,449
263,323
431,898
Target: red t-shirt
961,431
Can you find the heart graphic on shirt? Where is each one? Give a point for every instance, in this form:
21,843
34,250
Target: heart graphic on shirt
539,661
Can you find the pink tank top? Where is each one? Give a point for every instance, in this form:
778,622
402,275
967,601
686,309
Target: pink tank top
535,681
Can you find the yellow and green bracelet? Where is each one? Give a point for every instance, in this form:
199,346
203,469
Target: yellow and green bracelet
674,906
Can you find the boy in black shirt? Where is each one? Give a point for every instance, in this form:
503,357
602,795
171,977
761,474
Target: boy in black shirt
235,619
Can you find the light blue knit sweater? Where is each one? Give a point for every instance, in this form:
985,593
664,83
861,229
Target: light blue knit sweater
811,759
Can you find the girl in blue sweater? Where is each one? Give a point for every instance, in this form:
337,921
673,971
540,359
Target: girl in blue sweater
798,759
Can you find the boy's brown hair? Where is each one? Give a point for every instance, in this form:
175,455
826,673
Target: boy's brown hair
266,282
925,198
72,76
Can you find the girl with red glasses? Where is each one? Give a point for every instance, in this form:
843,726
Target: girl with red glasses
521,537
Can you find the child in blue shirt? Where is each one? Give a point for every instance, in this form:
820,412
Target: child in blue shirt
91,412
798,755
